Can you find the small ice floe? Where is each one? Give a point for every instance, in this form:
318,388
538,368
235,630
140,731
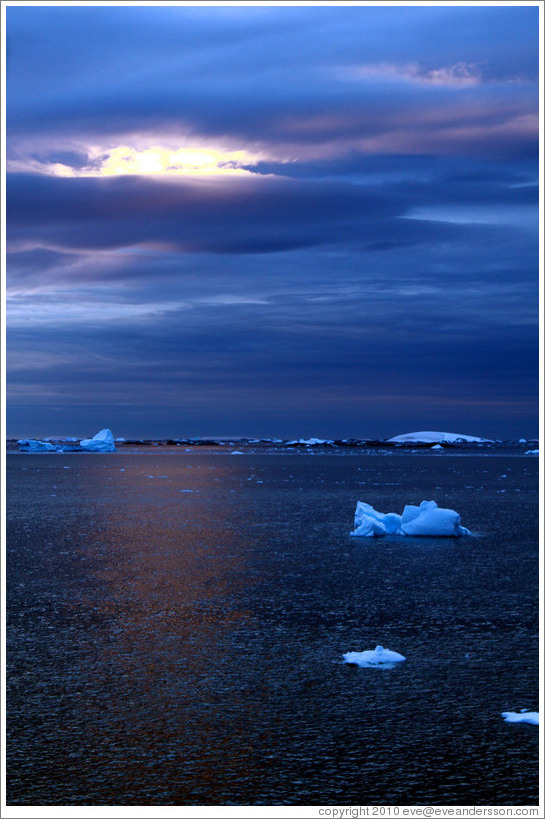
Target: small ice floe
531,717
437,446
237,452
426,520
380,657
532,452
103,441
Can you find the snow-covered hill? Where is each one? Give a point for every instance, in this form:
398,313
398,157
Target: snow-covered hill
426,437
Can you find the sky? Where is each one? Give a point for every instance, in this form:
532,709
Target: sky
267,221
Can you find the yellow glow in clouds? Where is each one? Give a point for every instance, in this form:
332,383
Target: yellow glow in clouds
156,160
124,161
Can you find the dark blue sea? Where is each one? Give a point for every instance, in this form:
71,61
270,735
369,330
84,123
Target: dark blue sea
176,620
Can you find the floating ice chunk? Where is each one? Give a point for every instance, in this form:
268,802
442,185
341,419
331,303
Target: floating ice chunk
237,452
532,452
410,513
313,441
532,717
370,523
379,657
103,441
433,521
424,520
369,527
437,446
31,445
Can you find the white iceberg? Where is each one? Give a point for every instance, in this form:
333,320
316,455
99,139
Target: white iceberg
31,445
379,657
426,437
370,523
532,717
103,441
426,520
532,452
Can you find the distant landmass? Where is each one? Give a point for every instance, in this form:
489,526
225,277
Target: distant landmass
427,437
104,441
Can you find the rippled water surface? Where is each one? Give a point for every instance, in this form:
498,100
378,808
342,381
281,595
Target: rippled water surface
176,625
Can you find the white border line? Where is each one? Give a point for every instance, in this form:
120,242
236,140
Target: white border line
256,811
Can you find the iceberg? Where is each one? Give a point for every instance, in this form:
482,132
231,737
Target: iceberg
370,523
427,437
379,657
532,452
31,445
532,717
426,520
103,441
429,520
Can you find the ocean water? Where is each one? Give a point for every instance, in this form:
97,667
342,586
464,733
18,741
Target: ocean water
176,623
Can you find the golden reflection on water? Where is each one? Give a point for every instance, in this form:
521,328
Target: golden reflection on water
171,565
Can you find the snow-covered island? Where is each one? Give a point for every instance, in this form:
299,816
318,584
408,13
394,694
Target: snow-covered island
428,437
426,520
103,441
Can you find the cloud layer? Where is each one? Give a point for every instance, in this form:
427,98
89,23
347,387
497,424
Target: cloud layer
281,221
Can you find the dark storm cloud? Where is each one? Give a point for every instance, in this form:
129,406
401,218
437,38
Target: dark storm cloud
239,216
258,215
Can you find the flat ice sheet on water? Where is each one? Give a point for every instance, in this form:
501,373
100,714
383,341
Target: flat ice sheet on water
381,657
426,520
309,442
531,717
